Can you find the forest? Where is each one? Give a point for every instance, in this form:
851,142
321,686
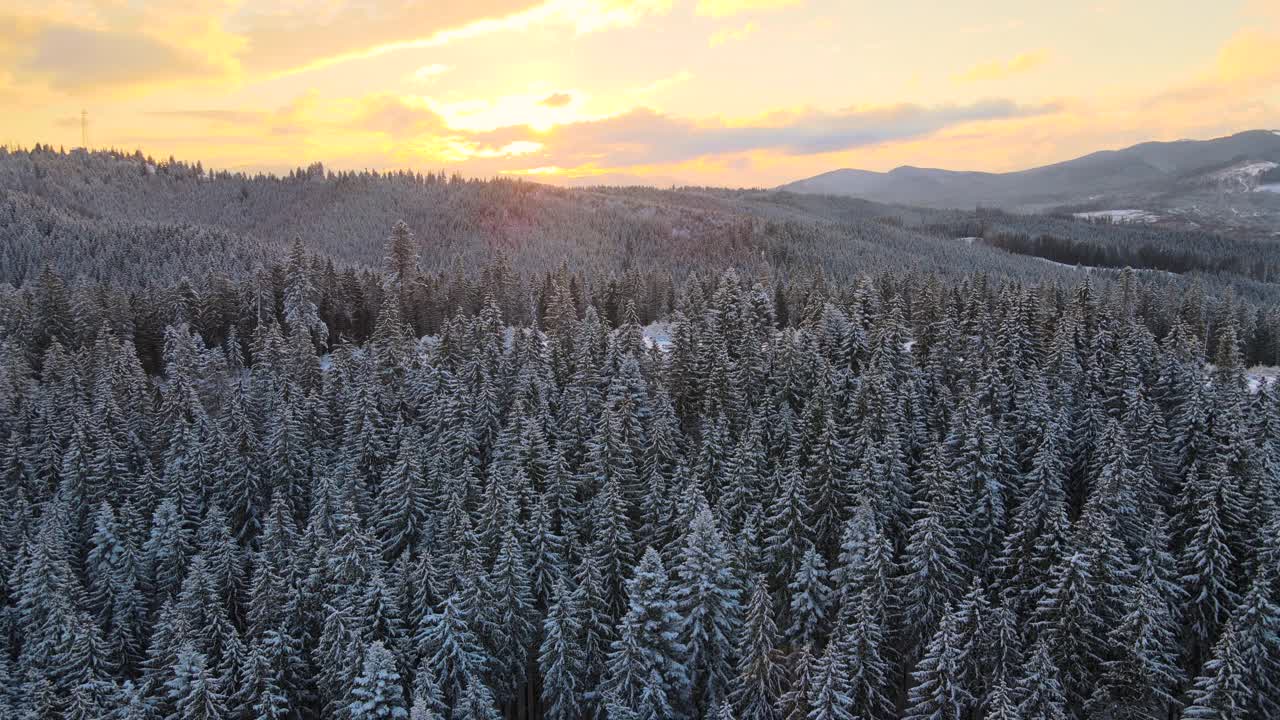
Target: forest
274,480
903,499
128,220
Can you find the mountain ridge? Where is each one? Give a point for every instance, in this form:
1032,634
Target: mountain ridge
1148,168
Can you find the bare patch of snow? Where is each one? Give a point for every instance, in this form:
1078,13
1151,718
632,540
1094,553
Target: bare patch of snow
657,334
1243,178
1260,375
1271,187
1251,170
1091,268
1086,268
1129,215
969,240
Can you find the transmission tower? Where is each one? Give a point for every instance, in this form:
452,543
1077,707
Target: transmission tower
84,129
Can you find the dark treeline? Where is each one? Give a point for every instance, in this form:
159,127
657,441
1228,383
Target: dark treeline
1146,255
897,496
1106,243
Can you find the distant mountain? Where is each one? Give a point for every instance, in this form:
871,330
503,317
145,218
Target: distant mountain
1142,171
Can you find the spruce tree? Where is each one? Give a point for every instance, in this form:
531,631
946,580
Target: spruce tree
377,691
647,670
759,679
561,658
939,692
706,598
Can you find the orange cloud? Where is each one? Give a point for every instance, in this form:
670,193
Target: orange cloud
282,39
645,137
73,59
98,49
556,100
1001,69
398,117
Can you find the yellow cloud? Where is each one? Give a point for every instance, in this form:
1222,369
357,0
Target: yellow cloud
427,72
1251,55
725,8
1001,69
584,16
731,34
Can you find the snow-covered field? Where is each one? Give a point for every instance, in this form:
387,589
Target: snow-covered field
1126,216
1273,187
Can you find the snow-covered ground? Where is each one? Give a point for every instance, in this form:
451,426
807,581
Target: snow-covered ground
1251,170
1086,268
658,334
1125,216
1091,268
1272,187
969,240
1245,177
1259,374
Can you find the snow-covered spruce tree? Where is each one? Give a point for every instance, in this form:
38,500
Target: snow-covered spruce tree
378,691
1040,691
706,596
561,659
810,598
932,573
451,649
194,691
759,679
402,499
862,647
1222,690
1067,619
829,699
513,631
647,670
1140,680
938,692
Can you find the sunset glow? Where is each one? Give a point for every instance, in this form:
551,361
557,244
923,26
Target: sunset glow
724,92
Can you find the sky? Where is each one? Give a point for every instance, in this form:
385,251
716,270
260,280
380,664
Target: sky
740,93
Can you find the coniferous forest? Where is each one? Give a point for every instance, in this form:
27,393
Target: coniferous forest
387,492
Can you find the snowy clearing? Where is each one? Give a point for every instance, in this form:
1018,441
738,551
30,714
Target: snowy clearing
1261,374
1273,187
1130,215
1251,170
657,334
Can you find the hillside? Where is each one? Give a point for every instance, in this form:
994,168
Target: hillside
91,214
1194,183
127,220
